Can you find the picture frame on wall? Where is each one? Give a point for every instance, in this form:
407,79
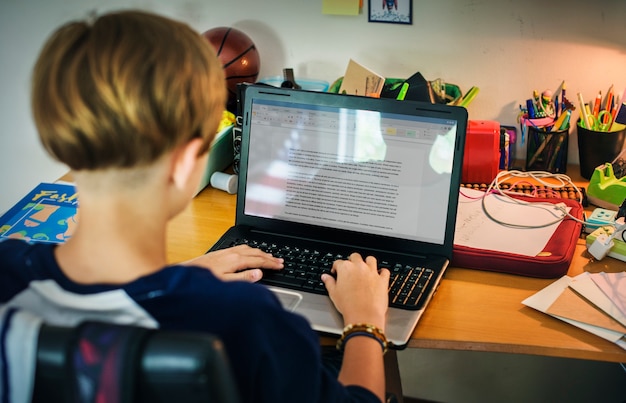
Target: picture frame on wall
391,11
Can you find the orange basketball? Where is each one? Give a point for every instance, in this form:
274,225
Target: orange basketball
238,55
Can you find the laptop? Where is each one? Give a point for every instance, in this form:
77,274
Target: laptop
322,175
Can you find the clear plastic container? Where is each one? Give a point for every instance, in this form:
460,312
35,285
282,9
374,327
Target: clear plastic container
306,83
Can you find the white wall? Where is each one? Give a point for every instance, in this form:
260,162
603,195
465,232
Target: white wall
506,48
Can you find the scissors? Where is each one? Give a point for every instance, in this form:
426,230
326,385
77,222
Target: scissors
600,123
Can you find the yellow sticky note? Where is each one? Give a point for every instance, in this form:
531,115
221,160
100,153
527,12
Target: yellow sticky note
341,7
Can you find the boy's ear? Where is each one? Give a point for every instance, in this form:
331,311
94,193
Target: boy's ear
185,161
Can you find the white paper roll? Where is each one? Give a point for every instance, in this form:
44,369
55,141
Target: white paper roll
224,181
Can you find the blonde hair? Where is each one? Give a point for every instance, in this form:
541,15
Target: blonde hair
125,89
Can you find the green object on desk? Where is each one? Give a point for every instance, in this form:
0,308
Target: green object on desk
600,123
402,93
393,86
604,189
618,251
469,97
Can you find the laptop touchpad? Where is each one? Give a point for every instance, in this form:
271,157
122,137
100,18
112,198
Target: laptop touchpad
289,300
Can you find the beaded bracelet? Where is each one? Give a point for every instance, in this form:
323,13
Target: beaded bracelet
362,329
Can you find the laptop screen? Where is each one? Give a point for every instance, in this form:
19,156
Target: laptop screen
355,169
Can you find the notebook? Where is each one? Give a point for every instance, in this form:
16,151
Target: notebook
333,174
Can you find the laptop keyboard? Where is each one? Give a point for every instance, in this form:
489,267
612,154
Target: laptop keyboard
408,285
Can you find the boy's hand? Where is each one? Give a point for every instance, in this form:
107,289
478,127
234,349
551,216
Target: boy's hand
233,263
359,291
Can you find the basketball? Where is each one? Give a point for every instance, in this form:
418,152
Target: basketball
239,57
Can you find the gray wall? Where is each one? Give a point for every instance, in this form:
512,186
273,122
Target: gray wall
505,48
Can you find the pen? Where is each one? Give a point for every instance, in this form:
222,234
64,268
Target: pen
609,103
583,111
597,104
471,94
563,96
556,152
615,108
565,124
530,108
609,99
620,113
559,105
559,122
538,104
402,93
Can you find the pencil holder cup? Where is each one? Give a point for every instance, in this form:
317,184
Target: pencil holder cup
596,148
547,151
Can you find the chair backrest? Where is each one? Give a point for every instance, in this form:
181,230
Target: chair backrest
130,364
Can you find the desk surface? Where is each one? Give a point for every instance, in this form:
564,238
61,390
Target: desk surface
472,309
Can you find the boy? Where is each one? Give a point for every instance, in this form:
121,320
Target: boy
130,102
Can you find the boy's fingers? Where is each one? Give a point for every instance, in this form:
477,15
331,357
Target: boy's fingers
329,281
251,276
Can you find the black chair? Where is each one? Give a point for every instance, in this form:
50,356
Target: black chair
152,365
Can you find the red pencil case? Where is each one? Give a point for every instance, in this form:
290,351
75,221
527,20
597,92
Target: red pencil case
554,262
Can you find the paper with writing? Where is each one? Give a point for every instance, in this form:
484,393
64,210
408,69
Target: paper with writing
476,230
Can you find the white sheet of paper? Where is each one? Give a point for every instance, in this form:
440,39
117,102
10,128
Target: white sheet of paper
476,230
614,287
585,285
542,300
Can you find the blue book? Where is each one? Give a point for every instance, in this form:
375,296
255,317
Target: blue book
48,213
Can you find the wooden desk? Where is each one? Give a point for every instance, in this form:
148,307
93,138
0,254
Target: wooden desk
472,310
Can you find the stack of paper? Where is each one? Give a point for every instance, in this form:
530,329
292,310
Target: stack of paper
360,80
593,302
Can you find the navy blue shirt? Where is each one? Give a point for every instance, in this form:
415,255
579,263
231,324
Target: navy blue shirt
275,354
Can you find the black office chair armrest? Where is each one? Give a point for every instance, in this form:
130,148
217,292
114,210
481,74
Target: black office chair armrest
172,366
50,367
185,367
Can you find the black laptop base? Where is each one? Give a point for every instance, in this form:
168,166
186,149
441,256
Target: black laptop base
410,283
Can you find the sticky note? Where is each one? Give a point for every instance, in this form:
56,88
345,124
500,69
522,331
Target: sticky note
341,7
